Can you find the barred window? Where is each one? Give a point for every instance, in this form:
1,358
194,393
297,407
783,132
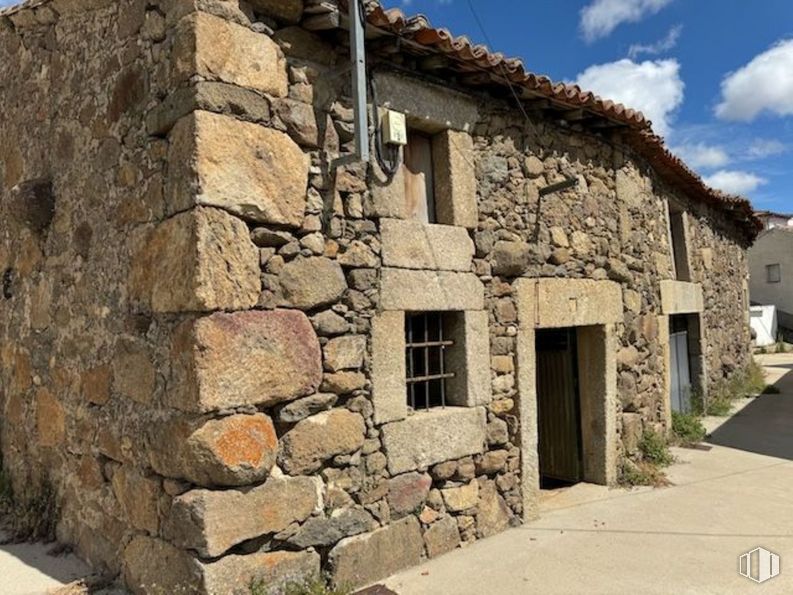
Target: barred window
428,345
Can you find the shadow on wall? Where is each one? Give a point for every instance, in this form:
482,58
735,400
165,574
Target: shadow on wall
763,426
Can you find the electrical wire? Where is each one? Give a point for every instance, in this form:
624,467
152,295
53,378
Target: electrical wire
389,164
503,68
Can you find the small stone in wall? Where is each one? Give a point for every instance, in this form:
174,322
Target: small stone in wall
627,357
618,271
50,419
466,470
139,497
300,121
407,493
328,323
134,375
497,432
445,470
559,237
491,462
314,242
631,431
299,410
442,537
345,353
267,238
320,437
343,383
458,499
510,259
534,167
96,384
309,283
324,532
560,256
493,515
358,255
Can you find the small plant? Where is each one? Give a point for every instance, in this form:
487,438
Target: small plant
687,429
315,585
748,381
655,449
754,378
641,474
720,400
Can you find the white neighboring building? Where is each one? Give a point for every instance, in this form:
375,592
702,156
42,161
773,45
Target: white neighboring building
764,325
771,220
771,272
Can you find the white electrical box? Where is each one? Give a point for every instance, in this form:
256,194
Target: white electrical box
395,130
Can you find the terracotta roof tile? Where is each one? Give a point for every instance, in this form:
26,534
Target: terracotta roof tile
474,57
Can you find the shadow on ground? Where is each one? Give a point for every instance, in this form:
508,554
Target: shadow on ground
29,568
765,426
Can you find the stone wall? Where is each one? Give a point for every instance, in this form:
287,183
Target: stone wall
188,337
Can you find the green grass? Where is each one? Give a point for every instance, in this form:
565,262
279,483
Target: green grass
687,429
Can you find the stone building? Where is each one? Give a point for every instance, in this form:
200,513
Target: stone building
232,360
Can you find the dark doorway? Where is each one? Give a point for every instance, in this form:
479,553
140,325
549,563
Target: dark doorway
558,408
685,363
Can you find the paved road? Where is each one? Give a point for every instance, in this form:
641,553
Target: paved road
682,539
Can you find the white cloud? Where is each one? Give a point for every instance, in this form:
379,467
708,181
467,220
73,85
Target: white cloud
701,155
735,181
764,84
659,47
654,87
601,17
762,147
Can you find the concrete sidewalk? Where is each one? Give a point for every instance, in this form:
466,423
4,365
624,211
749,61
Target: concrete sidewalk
28,569
682,539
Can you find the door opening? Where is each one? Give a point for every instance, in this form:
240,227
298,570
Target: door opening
684,362
560,444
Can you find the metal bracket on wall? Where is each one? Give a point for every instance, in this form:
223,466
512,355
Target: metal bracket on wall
569,182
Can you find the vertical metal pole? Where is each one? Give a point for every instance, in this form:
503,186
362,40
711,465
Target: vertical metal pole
358,51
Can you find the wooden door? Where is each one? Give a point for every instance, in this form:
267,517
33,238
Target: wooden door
558,411
419,178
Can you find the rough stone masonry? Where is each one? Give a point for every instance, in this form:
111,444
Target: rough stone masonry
202,321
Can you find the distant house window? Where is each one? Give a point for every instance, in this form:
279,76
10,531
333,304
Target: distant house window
420,178
677,231
773,273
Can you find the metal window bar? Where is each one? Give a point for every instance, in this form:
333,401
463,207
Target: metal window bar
426,350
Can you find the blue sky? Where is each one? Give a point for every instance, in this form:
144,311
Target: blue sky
715,76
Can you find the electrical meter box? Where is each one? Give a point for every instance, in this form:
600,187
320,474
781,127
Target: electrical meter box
395,130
